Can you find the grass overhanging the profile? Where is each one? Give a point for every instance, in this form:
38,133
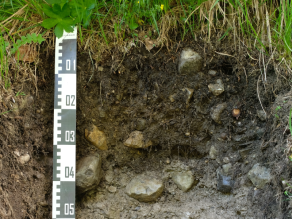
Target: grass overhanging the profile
102,24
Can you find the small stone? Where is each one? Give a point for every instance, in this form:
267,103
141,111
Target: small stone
112,189
96,137
217,88
39,175
141,124
136,140
262,115
119,97
137,208
102,112
259,175
24,158
38,111
189,93
171,98
212,72
226,160
187,134
216,112
109,176
43,204
184,180
99,68
26,125
30,100
167,161
145,188
226,168
223,136
16,152
224,183
213,153
190,62
88,173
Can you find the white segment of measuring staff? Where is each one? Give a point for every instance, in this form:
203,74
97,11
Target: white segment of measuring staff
64,139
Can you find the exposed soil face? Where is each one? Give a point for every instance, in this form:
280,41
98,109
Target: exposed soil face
144,91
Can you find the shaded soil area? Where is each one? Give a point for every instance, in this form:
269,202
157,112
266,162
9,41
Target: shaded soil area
144,91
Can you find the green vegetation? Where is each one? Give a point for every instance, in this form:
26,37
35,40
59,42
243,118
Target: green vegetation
263,25
277,108
19,94
6,112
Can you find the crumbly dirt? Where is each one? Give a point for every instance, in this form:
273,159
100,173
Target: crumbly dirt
136,86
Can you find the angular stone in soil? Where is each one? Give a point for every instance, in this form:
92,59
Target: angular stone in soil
213,153
217,88
145,188
96,137
136,140
259,176
189,93
212,72
190,62
88,173
141,124
184,180
262,115
24,158
226,168
216,112
224,183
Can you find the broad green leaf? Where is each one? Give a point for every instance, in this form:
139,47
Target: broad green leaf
50,22
49,11
57,9
68,21
65,11
91,6
60,2
59,30
86,18
52,1
74,13
133,25
68,29
62,12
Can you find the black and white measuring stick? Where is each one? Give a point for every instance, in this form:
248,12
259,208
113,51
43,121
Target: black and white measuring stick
63,205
